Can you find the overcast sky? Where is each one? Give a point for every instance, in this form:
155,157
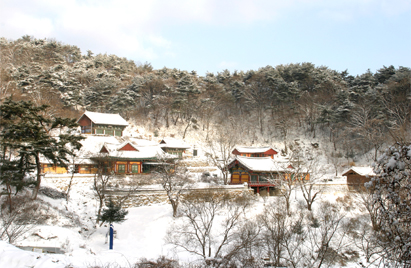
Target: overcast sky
213,35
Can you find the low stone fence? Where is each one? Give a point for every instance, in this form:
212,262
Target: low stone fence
149,196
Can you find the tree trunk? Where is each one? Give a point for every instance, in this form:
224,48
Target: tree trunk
69,186
225,177
99,211
185,130
166,118
174,204
38,167
9,201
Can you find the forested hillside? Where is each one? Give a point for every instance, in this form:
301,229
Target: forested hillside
357,114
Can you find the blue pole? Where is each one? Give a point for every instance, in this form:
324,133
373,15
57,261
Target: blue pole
111,235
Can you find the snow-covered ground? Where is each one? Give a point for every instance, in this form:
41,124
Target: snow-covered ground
140,236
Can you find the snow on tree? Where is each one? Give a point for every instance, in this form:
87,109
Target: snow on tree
113,213
28,133
174,178
393,195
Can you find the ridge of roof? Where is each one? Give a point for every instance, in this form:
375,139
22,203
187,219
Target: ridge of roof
248,149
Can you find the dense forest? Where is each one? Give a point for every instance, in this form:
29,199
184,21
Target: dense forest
357,114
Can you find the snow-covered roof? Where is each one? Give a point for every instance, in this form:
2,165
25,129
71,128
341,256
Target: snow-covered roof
263,164
363,171
92,146
254,149
105,119
173,143
142,152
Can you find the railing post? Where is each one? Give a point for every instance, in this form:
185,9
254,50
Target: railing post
111,235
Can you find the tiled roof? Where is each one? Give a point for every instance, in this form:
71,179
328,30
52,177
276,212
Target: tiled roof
264,164
106,119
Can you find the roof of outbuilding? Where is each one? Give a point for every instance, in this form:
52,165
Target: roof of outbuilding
173,143
105,119
363,171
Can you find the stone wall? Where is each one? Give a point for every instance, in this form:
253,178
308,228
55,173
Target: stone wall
149,197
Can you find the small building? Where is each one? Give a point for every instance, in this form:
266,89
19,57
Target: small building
127,158
357,176
261,173
102,124
174,146
52,168
255,152
122,155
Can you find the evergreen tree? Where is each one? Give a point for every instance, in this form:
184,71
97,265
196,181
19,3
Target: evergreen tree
384,74
27,134
392,187
113,213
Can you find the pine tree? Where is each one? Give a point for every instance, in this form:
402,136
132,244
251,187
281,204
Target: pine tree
27,134
113,213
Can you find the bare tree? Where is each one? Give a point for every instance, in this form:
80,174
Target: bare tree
105,183
335,158
282,234
246,246
326,235
174,178
274,222
191,122
307,174
161,262
71,168
303,239
198,233
101,181
219,148
287,185
365,197
368,126
365,239
21,217
293,244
